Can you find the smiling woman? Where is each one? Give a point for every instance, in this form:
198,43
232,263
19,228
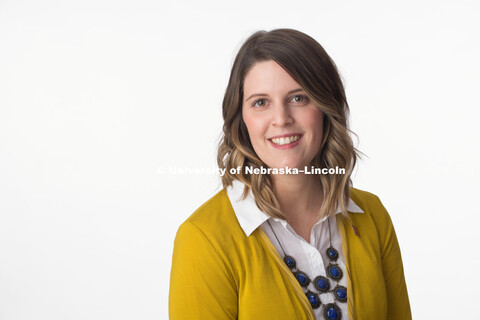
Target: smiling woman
284,125
294,245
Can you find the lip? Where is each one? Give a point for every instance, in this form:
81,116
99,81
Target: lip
287,135
286,146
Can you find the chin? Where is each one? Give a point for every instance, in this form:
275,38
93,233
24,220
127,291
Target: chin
290,165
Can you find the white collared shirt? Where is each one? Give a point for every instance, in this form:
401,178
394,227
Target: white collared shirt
311,257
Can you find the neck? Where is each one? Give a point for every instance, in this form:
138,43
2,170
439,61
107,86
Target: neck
300,196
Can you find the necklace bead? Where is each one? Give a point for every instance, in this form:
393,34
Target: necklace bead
332,253
302,278
332,312
321,283
313,299
290,261
334,272
340,293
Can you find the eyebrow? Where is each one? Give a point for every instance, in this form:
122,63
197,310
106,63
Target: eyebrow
264,94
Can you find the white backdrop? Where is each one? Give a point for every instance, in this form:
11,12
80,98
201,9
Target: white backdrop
100,99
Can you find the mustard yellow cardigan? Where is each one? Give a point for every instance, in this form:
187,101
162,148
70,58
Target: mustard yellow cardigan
220,273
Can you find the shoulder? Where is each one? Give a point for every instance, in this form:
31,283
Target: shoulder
374,211
364,199
214,220
368,201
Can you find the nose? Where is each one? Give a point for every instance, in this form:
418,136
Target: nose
281,115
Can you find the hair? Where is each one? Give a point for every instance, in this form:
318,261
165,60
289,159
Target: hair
305,60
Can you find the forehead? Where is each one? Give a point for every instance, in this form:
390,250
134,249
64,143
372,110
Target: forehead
268,77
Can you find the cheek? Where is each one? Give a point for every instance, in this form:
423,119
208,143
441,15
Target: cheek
314,120
255,126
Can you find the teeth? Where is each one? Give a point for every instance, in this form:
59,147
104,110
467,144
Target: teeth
282,141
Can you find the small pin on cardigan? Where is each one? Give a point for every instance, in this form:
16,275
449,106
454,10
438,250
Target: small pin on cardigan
357,233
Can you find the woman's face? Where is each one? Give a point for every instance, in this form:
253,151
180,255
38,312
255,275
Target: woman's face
284,125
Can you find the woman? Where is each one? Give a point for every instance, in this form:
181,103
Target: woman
283,240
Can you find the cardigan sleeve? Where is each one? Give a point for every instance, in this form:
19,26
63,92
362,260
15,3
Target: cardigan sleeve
201,286
398,305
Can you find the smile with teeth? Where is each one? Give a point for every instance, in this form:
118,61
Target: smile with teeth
285,140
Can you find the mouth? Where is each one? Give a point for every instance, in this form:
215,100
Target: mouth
285,140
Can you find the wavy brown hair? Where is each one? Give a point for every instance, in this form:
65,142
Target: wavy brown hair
305,60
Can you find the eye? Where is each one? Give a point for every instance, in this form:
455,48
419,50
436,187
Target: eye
260,103
299,98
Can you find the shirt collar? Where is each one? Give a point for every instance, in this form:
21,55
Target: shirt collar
250,216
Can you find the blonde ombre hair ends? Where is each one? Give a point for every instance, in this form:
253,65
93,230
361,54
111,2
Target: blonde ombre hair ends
310,66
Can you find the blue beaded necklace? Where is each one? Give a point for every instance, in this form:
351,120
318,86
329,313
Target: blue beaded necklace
331,311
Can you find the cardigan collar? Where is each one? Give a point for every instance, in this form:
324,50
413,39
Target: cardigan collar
251,217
